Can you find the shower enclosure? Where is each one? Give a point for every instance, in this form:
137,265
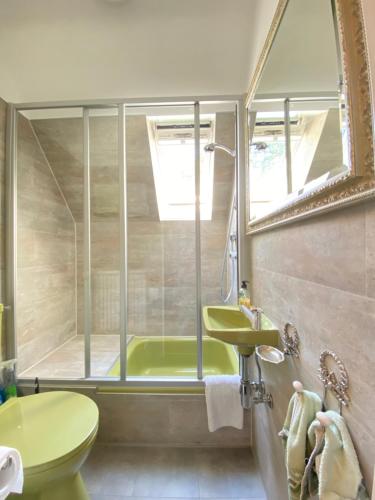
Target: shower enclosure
118,221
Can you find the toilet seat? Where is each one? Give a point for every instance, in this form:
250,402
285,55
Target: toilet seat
49,428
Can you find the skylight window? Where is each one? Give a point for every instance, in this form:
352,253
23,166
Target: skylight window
172,152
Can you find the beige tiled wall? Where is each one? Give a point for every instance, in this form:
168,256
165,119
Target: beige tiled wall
160,419
46,276
161,254
320,276
3,108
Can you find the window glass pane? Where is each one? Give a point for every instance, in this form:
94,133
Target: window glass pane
172,145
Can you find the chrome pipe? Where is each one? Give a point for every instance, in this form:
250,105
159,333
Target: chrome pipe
230,248
246,387
210,148
243,271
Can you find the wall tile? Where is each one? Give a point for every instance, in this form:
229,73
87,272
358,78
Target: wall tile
46,285
319,276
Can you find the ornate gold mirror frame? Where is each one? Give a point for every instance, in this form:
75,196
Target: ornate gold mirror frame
359,183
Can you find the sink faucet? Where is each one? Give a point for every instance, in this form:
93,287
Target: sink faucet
254,315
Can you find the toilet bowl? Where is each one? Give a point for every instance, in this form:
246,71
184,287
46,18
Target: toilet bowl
54,432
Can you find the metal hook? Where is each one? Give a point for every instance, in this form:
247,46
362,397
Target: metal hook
337,384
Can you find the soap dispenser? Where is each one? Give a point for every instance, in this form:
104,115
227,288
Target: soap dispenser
243,295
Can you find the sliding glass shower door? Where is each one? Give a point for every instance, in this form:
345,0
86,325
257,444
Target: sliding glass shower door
49,187
101,234
123,225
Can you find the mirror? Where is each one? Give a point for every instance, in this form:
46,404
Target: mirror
302,112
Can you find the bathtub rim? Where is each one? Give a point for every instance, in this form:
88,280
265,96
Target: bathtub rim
137,341
132,385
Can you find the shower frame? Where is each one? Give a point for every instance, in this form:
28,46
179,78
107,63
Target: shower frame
11,229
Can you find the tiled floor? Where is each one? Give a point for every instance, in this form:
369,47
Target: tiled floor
67,361
116,472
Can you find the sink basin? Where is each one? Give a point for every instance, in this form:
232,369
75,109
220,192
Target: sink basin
229,324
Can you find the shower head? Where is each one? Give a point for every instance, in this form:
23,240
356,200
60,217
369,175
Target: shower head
259,146
210,148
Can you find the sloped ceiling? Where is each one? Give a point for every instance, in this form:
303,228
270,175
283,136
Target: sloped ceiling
89,49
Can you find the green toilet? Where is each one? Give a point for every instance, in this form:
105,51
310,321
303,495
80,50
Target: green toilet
54,433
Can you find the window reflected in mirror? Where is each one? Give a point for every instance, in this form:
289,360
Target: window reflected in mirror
297,121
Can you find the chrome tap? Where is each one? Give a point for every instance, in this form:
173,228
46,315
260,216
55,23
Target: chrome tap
254,315
251,392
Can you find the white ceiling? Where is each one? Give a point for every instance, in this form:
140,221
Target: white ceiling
90,49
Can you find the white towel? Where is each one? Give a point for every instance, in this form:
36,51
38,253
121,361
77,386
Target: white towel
223,401
11,472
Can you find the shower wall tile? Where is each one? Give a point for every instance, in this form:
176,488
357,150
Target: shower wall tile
3,108
46,286
318,275
161,255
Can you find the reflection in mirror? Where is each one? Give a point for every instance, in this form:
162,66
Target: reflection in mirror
297,123
316,142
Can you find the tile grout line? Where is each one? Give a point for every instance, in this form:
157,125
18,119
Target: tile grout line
296,278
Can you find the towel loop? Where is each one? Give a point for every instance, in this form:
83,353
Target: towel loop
337,383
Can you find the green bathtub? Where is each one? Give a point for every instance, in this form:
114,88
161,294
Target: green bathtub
176,357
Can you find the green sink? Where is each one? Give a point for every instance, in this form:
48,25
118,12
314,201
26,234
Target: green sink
230,325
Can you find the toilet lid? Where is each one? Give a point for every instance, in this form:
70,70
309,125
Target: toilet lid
45,427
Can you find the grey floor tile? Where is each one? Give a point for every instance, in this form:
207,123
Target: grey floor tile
115,472
169,473
107,497
228,473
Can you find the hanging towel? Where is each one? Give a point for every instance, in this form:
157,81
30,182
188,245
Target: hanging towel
309,485
301,412
11,472
339,475
223,401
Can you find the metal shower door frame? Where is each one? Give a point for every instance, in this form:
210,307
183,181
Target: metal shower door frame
11,230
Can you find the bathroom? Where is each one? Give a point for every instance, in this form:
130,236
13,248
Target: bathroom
148,167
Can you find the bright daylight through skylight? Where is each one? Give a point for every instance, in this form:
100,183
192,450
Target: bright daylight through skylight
172,151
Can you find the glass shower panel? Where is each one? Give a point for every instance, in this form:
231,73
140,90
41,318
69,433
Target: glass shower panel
219,241
105,239
49,211
219,233
162,330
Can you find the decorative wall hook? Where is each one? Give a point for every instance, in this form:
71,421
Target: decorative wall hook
337,383
290,340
